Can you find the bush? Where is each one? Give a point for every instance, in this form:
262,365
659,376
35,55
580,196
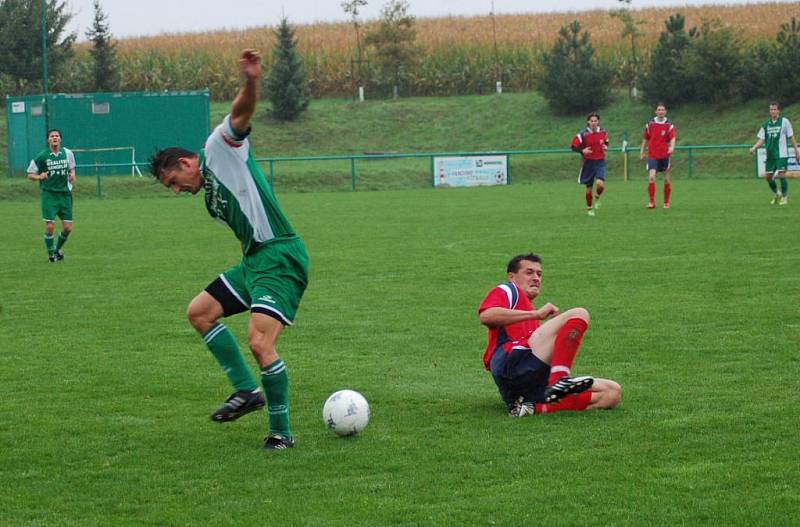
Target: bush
715,64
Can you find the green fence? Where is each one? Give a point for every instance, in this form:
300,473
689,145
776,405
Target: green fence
622,161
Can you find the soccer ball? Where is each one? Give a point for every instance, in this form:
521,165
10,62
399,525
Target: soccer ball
346,412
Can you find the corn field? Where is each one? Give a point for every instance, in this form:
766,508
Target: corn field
457,55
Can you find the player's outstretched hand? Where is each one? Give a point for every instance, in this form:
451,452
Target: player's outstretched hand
43,175
250,63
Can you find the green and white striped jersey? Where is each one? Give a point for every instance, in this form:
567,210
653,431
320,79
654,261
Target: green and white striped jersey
236,191
57,167
776,136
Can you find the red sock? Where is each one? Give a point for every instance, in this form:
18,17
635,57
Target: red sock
600,189
589,197
565,348
667,192
575,403
651,191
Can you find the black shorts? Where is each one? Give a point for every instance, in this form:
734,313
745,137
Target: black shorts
519,373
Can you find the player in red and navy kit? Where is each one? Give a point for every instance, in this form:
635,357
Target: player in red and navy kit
530,351
591,143
659,138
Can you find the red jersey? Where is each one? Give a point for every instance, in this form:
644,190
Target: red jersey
593,139
508,296
658,135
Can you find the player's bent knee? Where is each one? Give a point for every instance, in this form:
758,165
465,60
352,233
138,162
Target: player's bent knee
199,316
578,312
613,394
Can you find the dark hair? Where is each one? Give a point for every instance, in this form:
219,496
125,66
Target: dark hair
50,131
661,103
513,264
775,103
593,114
167,159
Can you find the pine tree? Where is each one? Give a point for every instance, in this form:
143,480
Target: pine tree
286,82
573,80
782,66
104,53
667,79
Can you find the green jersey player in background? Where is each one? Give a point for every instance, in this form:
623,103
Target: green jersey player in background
54,169
273,273
775,135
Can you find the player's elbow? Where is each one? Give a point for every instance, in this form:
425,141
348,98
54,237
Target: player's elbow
486,319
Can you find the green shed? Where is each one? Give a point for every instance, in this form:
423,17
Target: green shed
106,128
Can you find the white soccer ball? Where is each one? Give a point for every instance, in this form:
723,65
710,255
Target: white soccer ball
346,412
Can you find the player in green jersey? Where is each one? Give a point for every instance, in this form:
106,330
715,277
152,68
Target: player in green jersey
54,169
273,273
775,134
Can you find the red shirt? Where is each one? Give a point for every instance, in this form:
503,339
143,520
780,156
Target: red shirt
658,135
595,140
508,296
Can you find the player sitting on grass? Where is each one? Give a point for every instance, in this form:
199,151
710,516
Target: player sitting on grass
531,361
273,273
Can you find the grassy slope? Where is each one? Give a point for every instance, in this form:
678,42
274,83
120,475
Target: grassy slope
473,123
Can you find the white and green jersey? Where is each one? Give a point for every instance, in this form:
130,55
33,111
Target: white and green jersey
775,135
57,165
237,193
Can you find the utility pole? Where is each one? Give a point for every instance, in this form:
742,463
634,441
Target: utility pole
44,63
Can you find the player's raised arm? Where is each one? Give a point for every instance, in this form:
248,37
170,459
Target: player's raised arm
244,105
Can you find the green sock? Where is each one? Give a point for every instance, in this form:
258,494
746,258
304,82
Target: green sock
48,243
784,186
275,380
62,239
773,185
223,346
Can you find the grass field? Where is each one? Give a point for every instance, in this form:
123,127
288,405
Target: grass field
107,391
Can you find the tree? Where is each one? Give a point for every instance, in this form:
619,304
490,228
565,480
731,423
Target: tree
393,41
286,82
103,52
629,69
573,81
21,37
782,66
667,79
351,7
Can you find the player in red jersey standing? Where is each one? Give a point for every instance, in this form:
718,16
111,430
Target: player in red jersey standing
530,351
591,143
659,138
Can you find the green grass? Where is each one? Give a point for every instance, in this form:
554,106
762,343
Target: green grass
515,121
107,390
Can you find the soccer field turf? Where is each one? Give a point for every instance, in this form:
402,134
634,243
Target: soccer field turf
107,390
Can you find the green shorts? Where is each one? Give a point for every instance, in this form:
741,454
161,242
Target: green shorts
271,281
56,204
777,165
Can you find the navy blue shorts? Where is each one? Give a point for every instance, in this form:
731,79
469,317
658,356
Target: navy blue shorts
519,374
659,165
592,169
